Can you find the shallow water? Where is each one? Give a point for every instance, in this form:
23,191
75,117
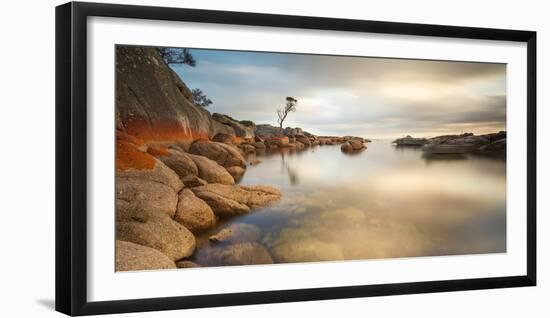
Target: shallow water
384,202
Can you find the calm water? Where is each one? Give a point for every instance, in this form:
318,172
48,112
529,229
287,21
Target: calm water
384,202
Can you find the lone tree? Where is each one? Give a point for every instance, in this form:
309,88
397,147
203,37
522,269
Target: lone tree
175,55
289,107
200,99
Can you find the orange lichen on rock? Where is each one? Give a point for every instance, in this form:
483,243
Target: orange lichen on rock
158,151
238,140
161,131
201,139
121,135
128,157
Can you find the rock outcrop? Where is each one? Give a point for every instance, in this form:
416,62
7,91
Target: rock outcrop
353,145
467,143
178,161
152,103
304,140
133,257
143,195
224,138
277,142
289,131
225,155
267,131
241,130
259,145
498,146
410,141
248,148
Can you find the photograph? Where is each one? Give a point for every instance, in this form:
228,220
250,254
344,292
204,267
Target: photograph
228,158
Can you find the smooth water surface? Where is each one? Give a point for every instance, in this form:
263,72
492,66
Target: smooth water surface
384,202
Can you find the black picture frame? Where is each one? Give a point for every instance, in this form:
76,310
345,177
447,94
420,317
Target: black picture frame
71,157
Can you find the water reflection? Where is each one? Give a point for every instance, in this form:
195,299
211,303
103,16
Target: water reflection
385,202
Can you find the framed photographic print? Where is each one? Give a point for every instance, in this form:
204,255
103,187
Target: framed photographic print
209,158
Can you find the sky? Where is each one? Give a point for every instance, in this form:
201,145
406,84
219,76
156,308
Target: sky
359,96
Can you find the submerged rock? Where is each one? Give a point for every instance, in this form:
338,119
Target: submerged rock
259,195
237,233
134,257
186,264
246,253
193,212
293,245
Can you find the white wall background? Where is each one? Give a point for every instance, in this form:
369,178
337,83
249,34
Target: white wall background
27,158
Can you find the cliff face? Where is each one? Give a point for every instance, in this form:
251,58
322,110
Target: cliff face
153,104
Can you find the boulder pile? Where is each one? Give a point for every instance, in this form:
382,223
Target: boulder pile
164,196
271,137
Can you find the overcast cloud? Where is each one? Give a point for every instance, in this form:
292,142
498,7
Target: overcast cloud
370,97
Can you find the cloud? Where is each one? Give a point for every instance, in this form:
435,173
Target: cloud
373,97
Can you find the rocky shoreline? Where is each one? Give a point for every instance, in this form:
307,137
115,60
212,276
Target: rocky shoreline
494,143
178,169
